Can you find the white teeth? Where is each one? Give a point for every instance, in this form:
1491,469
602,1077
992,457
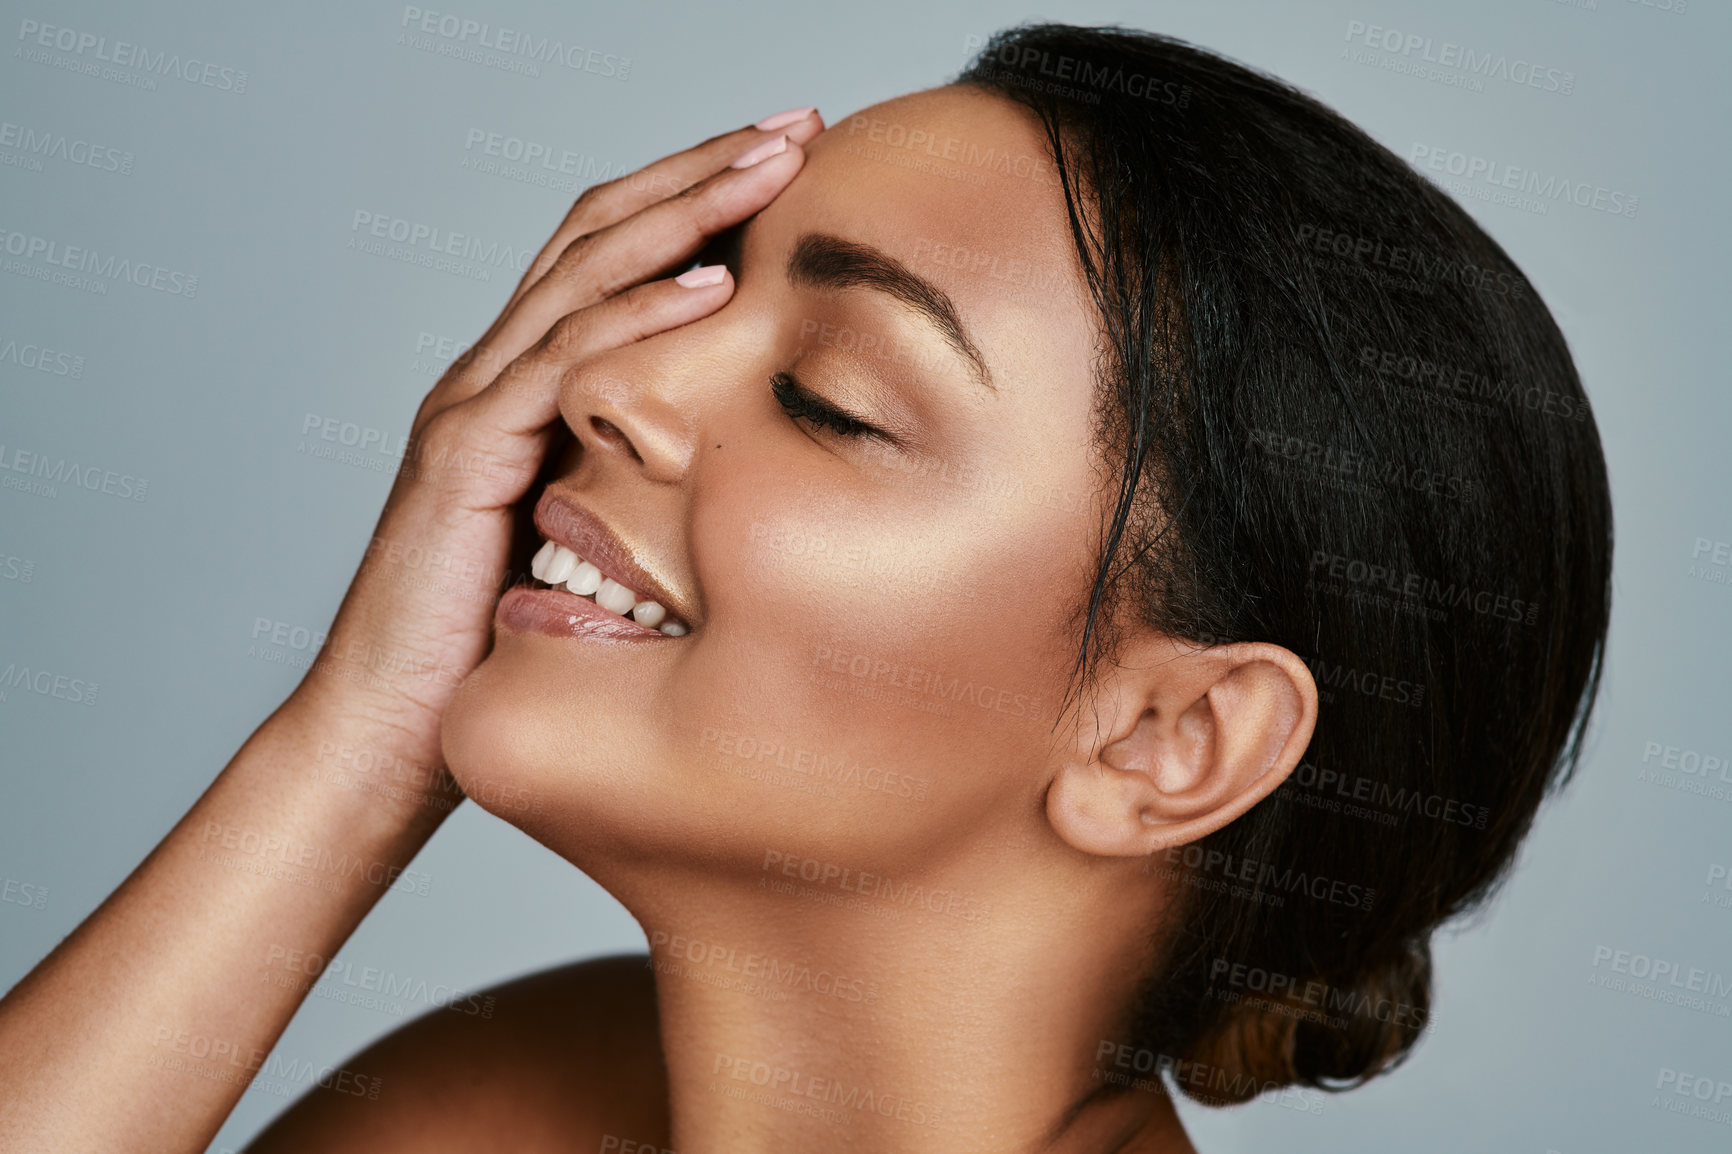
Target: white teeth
559,566
538,566
584,580
612,595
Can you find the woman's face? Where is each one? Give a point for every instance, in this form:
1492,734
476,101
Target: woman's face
881,627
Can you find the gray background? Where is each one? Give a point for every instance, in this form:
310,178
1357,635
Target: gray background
156,600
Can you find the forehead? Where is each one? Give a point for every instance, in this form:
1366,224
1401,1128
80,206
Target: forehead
959,186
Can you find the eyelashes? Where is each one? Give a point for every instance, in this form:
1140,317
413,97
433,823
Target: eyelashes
801,404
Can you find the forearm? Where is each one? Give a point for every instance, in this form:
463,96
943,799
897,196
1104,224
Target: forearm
142,1028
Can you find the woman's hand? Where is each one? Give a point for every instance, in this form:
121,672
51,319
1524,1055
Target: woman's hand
418,616
142,1029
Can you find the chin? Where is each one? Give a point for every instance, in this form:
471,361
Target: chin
639,772
509,744
583,752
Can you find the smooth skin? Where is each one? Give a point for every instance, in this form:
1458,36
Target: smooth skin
958,548
181,945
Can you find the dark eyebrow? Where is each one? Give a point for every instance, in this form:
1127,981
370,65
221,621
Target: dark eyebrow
829,262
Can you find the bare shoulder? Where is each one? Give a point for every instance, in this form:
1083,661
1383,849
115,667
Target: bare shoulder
559,1060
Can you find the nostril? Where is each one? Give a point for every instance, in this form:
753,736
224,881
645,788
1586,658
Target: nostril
611,434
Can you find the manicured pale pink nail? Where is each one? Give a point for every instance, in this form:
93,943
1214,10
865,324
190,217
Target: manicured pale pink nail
703,276
783,119
763,152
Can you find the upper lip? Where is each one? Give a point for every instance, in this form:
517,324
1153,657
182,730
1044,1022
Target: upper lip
564,522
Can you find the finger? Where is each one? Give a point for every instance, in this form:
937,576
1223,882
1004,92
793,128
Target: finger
604,204
647,244
505,423
669,177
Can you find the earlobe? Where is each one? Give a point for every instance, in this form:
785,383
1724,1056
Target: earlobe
1187,741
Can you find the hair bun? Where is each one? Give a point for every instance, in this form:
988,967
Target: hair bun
1331,1034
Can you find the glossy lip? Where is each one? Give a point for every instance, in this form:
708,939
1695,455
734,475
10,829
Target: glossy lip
564,522
561,614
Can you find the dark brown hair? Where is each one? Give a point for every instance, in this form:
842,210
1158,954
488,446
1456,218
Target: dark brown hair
1348,426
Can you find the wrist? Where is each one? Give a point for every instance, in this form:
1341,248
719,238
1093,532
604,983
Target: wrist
370,760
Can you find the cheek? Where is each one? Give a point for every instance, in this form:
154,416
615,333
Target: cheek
877,665
875,679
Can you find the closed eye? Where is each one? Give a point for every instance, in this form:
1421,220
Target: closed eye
801,404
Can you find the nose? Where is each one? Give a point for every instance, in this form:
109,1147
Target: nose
622,417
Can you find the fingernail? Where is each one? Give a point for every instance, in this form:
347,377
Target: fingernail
783,119
703,276
763,152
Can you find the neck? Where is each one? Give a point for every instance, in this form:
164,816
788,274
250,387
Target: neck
848,1014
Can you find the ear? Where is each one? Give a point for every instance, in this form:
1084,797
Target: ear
1183,741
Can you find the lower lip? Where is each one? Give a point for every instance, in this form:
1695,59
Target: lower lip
560,614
